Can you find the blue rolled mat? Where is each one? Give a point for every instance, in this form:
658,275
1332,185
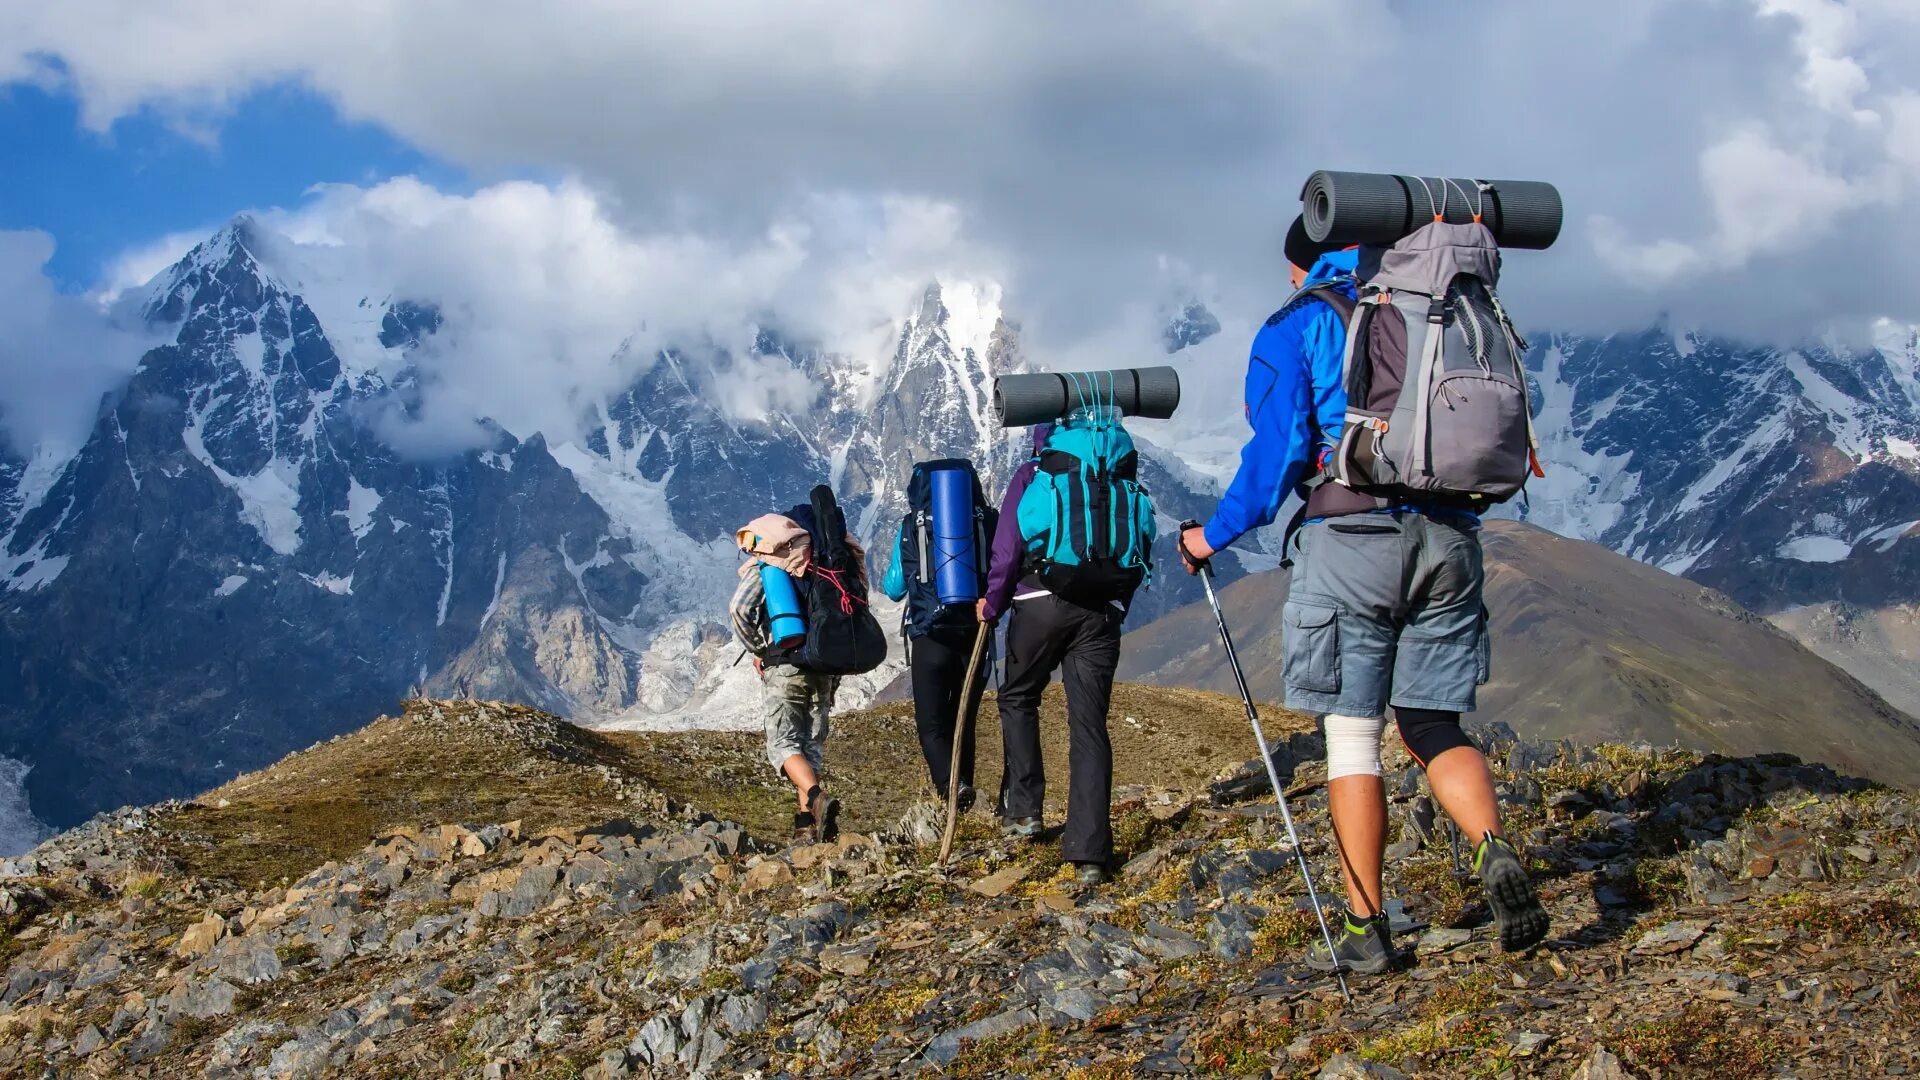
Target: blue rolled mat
955,559
789,623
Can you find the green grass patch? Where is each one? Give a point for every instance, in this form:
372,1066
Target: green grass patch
912,894
1283,935
1881,917
1240,1047
1700,1040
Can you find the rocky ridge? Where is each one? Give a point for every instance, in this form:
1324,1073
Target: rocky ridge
1712,916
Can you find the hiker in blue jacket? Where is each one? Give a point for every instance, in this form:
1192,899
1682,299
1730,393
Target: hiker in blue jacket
1384,607
940,639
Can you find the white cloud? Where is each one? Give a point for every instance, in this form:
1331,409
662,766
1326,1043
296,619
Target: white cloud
137,266
1741,164
59,354
551,306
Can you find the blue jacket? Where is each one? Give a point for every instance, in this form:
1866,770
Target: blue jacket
895,583
1296,403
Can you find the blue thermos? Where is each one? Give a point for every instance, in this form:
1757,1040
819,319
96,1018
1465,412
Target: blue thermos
955,555
783,607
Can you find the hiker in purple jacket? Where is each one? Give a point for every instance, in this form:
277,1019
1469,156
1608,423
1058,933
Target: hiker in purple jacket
1009,550
1044,633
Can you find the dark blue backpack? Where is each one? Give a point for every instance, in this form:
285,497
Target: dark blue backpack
1087,523
919,562
843,637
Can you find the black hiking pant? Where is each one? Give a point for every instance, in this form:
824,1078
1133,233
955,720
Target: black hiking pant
1044,633
939,666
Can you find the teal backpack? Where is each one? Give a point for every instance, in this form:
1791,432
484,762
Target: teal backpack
1087,523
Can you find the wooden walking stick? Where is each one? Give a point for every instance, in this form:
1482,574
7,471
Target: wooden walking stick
959,733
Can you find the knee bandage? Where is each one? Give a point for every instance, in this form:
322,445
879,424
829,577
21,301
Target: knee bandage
1353,745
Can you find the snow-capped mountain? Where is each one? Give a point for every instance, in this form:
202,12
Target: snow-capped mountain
1786,478
236,562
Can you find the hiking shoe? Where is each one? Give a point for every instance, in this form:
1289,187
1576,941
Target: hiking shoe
1027,827
965,798
1516,910
1362,946
1091,873
826,815
803,829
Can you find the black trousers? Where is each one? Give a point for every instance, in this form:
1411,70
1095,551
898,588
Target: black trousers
1045,633
939,666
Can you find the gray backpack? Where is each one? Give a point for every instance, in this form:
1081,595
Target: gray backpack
1437,405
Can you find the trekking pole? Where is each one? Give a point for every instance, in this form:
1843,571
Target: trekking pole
1266,757
959,733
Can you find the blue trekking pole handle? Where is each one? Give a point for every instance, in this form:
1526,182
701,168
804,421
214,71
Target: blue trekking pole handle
1266,755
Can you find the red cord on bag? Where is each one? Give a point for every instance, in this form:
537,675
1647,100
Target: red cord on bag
832,577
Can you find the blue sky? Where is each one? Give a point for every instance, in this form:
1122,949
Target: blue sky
99,196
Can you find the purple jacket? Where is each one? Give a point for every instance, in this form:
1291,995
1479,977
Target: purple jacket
1009,550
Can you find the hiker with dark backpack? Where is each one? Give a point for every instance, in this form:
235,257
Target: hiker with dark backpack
802,611
939,568
1389,393
1074,542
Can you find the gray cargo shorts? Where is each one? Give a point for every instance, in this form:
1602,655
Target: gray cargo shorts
1386,608
796,704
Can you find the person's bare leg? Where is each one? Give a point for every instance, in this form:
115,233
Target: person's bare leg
1359,805
800,771
1463,785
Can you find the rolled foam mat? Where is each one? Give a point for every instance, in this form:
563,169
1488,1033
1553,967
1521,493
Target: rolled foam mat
1036,398
1345,208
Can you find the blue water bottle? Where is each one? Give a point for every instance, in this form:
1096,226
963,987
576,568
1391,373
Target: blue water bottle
783,607
955,556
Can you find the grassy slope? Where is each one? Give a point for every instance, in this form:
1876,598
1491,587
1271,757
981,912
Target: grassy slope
328,801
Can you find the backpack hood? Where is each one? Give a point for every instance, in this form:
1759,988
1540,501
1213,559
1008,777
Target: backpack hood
1332,266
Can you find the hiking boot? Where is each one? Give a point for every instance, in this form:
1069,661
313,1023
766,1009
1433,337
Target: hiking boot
964,800
1024,827
1516,910
1362,946
802,829
1091,873
825,813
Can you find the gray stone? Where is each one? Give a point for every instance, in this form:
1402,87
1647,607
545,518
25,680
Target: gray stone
205,999
682,961
533,890
1168,943
1527,1043
946,1047
1602,1065
1348,1067
743,1014
89,1041
1671,938
830,1045
613,1064
299,1058
658,1042
1078,1003
248,961
1441,939
1230,931
758,975
851,959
